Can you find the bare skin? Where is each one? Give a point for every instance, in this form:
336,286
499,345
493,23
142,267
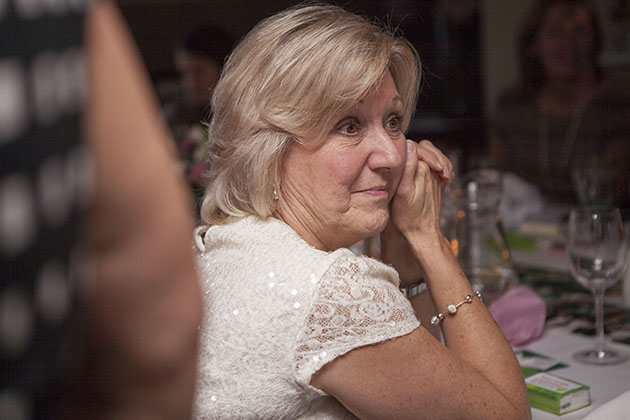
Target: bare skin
142,306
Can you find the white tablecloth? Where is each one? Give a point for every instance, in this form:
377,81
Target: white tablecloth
616,409
606,382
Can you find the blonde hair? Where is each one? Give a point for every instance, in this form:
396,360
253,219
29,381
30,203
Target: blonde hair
290,78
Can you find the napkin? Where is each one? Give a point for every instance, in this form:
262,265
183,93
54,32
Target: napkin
520,313
616,409
520,201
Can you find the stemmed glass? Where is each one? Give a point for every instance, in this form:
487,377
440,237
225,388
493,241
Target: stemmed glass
598,258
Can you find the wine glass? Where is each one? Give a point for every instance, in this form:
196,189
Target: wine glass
598,258
594,180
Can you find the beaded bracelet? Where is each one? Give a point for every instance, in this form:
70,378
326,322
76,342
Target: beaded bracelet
452,309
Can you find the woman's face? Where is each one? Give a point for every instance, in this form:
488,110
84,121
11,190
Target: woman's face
198,76
337,193
565,42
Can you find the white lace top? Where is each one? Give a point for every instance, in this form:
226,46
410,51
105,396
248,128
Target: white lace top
276,311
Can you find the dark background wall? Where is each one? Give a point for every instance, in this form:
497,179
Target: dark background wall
446,37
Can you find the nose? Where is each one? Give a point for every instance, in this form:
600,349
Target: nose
387,151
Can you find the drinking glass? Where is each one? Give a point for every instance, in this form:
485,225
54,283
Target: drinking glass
594,181
475,231
598,258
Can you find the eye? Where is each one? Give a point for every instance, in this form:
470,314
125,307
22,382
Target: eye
348,127
394,123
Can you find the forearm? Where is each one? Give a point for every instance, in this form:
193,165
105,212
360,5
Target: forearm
424,307
471,333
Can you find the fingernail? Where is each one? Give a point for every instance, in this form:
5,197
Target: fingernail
409,147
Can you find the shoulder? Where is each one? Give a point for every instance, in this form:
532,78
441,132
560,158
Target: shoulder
270,248
282,244
356,303
275,238
360,268
251,229
256,248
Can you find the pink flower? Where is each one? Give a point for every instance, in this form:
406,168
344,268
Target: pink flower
197,173
186,146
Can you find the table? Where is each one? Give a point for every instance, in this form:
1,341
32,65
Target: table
552,260
606,382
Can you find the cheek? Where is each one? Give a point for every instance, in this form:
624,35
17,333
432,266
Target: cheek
346,171
322,179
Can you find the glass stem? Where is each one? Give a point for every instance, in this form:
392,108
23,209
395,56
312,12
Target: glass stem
598,295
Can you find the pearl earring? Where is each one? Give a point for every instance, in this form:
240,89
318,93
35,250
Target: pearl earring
275,194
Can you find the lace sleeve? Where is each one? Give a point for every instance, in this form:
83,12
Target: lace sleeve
357,303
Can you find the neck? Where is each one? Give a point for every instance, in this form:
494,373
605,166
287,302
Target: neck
294,220
563,97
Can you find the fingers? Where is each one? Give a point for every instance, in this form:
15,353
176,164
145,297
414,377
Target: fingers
436,160
409,171
416,204
415,174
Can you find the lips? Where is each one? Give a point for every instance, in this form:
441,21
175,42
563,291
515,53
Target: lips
379,190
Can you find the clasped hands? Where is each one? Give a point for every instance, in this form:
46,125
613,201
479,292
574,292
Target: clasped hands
415,208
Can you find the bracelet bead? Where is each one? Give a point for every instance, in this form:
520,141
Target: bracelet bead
452,309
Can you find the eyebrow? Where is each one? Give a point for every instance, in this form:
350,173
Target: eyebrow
396,98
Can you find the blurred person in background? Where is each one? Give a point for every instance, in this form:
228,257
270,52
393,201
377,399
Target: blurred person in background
99,302
199,58
567,116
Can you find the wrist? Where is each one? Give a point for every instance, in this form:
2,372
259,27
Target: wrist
428,247
414,289
438,260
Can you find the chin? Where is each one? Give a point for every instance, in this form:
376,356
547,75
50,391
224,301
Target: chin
377,222
362,225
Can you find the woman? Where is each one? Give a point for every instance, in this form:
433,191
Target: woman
566,111
199,57
309,156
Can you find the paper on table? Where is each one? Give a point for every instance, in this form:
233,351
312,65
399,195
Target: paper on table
520,200
616,409
536,361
